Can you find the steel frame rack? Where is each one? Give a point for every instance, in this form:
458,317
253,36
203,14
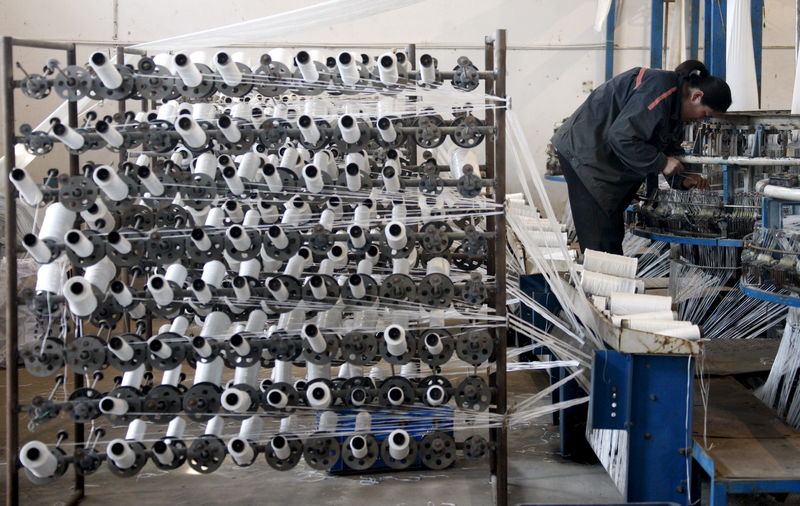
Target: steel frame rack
495,86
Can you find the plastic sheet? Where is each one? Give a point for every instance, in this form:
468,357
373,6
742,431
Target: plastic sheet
740,65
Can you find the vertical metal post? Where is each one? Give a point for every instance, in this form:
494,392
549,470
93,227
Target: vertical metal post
489,146
757,20
611,21
695,29
123,154
411,53
74,165
12,373
497,223
656,34
715,37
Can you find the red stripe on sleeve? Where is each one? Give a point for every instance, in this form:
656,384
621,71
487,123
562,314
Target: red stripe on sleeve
661,97
639,77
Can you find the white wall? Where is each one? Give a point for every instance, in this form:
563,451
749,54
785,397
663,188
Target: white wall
553,47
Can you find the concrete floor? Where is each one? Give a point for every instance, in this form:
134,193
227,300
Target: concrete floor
537,474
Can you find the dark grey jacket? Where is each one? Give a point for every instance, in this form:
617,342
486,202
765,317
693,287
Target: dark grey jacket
621,133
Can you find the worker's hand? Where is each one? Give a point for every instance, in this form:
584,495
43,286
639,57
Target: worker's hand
672,168
694,181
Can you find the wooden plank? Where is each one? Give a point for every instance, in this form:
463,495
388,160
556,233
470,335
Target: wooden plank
734,412
739,356
755,459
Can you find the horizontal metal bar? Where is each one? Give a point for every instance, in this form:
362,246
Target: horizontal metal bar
43,44
738,160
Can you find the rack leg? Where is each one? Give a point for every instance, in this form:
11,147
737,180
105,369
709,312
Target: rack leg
74,163
495,161
12,373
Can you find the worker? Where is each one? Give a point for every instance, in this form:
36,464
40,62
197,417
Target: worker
624,132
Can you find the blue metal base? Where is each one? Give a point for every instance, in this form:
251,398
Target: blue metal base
559,179
650,396
416,423
571,421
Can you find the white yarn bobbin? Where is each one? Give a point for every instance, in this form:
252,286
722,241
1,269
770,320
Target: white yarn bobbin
191,132
427,69
386,129
209,372
110,183
395,337
348,70
629,303
37,458
227,69
57,220
595,283
105,70
395,233
399,444
387,69
606,263
101,274
187,70
307,67
69,136
79,295
119,451
349,129
27,188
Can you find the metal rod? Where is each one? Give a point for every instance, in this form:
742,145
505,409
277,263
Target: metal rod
12,373
41,44
738,160
130,50
489,146
74,165
610,28
123,155
500,262
411,52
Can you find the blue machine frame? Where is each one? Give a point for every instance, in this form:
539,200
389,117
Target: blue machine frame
650,397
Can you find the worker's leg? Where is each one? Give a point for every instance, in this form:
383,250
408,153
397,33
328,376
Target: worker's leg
596,230
618,222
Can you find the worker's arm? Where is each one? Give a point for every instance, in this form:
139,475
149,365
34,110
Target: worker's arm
644,113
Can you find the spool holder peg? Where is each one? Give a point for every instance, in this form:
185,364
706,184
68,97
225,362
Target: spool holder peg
206,454
42,361
202,401
133,397
87,354
406,357
139,357
409,393
396,288
360,348
475,347
321,451
436,359
361,384
437,450
162,403
77,193
372,454
179,452
473,393
403,463
295,453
